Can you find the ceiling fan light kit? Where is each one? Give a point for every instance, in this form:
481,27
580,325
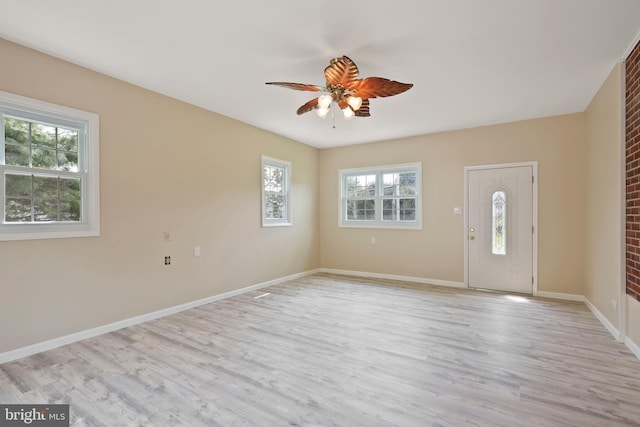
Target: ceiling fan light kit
345,90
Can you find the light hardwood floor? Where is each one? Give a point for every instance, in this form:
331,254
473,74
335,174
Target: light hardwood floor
337,351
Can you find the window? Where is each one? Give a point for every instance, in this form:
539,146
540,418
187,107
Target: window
49,170
276,192
499,223
381,197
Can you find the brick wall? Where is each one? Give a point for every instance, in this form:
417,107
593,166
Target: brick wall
632,125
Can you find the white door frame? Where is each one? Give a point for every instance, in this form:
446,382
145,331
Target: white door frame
622,191
534,167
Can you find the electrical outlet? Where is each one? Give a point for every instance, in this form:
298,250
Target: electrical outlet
167,260
196,251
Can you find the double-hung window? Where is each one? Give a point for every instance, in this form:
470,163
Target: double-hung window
276,192
381,197
48,170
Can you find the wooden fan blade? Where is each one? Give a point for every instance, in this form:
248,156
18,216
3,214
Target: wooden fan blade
373,87
342,71
308,106
297,86
363,111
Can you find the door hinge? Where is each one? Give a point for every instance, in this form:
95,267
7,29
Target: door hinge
532,280
533,229
533,178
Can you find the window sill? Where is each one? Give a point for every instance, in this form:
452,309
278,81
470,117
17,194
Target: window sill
414,226
52,233
279,224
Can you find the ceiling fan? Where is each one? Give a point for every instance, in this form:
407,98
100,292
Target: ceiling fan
346,90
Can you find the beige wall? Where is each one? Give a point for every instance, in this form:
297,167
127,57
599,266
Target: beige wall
603,202
165,166
436,252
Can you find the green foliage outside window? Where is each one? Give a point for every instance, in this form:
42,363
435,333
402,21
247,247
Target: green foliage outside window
33,197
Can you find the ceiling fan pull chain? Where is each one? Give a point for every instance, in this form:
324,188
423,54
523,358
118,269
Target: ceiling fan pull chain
333,117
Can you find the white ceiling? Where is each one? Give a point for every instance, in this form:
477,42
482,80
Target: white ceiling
472,62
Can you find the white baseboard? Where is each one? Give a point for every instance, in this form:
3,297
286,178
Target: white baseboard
100,330
553,295
421,280
559,295
93,332
601,317
635,349
581,298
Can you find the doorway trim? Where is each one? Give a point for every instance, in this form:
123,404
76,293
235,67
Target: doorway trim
534,168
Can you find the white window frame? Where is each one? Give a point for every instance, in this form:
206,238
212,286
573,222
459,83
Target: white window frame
378,222
286,165
88,169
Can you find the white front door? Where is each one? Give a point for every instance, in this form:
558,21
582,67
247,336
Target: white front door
500,228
